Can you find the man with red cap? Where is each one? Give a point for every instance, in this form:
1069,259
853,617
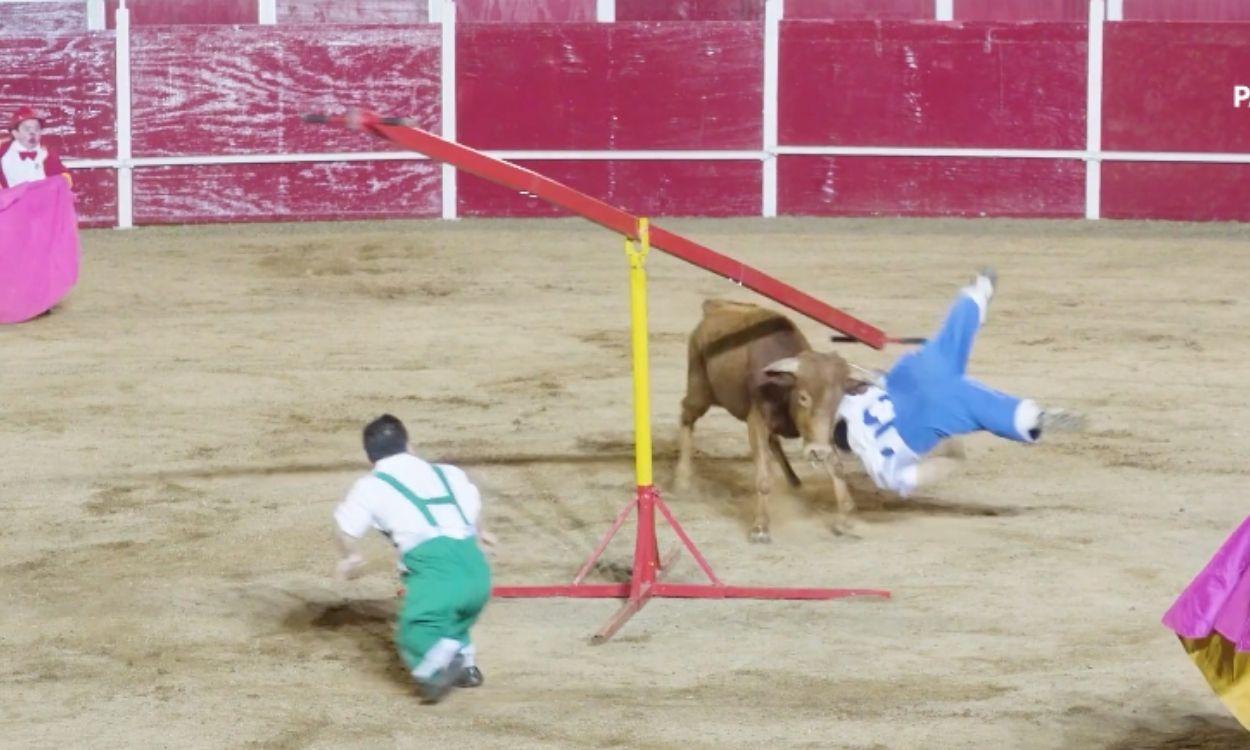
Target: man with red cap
25,158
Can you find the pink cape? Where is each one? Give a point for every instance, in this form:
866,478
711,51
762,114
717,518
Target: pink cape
38,248
1218,600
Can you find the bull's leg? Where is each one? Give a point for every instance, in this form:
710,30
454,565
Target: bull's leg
696,403
842,494
758,434
774,446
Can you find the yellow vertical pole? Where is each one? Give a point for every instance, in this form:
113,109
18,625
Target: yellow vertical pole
637,254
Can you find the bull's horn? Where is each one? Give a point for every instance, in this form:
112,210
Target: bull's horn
875,377
787,365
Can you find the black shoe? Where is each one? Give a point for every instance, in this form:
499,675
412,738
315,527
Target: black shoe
471,677
437,687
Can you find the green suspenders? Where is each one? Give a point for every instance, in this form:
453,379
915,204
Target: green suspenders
422,503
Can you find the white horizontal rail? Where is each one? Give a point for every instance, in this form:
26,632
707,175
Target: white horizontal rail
673,155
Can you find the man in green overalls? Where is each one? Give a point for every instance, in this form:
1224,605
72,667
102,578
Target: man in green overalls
430,513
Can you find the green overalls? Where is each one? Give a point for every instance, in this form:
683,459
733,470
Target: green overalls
447,583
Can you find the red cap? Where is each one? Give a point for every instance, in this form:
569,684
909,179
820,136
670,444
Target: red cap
22,115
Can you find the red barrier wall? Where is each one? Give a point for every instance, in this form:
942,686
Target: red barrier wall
1021,10
911,186
217,90
859,10
34,19
351,11
689,10
650,188
906,84
1169,87
525,11
1186,10
185,12
1182,192
281,192
241,90
617,86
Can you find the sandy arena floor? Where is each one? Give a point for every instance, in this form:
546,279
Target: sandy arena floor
175,436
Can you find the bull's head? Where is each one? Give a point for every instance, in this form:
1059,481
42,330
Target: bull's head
812,384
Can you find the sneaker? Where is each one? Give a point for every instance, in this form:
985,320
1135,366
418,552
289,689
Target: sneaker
437,687
471,677
990,275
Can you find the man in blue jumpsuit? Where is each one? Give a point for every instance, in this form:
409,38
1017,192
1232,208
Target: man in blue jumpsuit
897,426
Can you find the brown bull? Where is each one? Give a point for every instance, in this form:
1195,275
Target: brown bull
758,366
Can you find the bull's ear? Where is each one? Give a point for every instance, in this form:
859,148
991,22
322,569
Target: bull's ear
787,366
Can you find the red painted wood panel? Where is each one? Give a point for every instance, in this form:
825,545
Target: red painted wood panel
241,90
651,188
1181,192
287,192
352,11
689,10
610,86
910,84
525,11
185,12
1021,10
1186,10
69,78
899,186
31,19
95,197
860,10
1169,86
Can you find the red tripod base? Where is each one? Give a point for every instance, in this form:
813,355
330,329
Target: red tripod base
645,583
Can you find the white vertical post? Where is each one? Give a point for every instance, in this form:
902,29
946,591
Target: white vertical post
772,64
267,12
1115,10
1093,114
447,17
944,10
95,15
605,11
435,13
125,185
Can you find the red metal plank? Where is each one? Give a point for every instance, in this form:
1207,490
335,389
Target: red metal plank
1186,10
95,197
40,19
352,11
1169,87
908,186
1021,10
610,86
287,192
1180,192
239,90
646,188
525,11
70,79
517,178
860,10
185,12
689,10
955,85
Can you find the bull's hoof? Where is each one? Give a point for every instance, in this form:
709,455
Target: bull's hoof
760,536
844,528
682,480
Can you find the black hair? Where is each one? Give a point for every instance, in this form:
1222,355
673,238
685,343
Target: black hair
385,436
